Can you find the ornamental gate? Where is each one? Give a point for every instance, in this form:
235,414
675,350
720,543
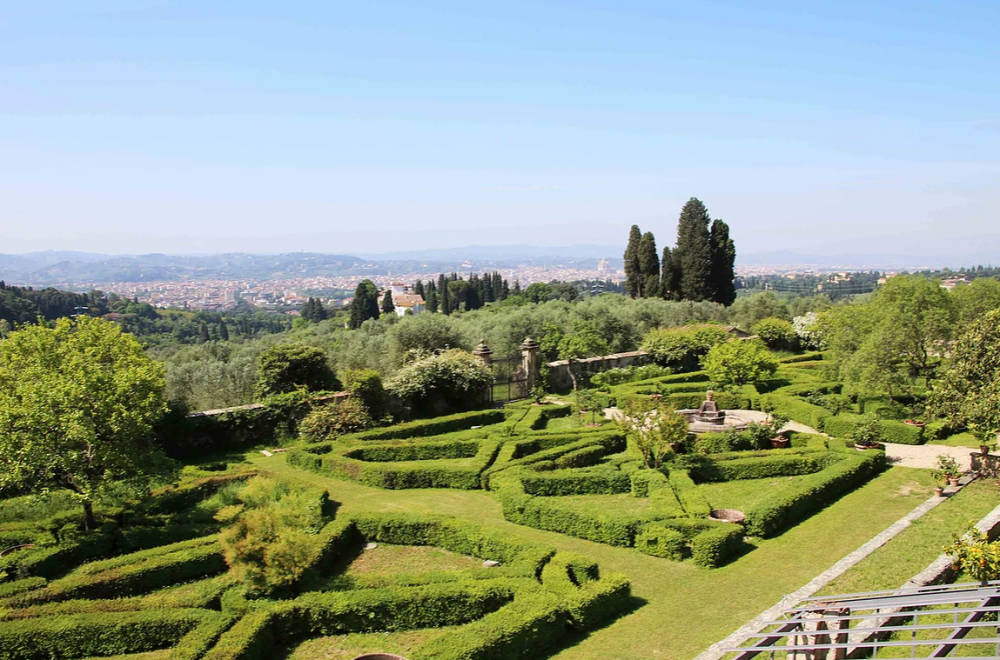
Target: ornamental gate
510,381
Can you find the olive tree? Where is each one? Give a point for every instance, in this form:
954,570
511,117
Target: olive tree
78,403
739,362
652,426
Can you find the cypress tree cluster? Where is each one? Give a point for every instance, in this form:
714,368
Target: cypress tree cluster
451,292
388,307
314,311
699,267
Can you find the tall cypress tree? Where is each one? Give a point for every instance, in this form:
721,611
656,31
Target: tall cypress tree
668,275
431,297
693,254
365,304
723,260
203,333
444,295
223,330
633,276
418,288
649,266
387,305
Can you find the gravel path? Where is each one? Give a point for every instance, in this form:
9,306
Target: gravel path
912,456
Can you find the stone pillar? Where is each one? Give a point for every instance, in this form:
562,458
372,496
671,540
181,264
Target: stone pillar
529,362
483,352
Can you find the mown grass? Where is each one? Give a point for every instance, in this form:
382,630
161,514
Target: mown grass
408,559
958,440
681,608
346,647
745,494
916,547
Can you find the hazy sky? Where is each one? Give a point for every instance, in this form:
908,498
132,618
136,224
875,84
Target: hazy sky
197,126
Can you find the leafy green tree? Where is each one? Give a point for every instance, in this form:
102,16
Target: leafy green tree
364,306
973,300
693,254
583,342
920,316
970,390
538,292
682,347
78,403
651,426
739,362
633,271
776,333
878,365
747,311
723,276
289,367
314,311
649,266
387,305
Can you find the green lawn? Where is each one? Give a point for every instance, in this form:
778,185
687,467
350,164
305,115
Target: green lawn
681,608
958,440
910,552
745,494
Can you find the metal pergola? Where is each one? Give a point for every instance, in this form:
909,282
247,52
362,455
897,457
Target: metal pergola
924,622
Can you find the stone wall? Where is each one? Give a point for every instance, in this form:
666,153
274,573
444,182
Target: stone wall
562,372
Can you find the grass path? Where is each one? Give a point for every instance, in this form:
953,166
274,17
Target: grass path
682,608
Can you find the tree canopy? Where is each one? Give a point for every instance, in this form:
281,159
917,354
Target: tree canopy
739,362
78,403
971,388
288,367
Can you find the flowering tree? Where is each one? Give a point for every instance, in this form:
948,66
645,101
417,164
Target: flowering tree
652,426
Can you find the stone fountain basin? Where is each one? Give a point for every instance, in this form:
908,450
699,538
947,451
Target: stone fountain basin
732,420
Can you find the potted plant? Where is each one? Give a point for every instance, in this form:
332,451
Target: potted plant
939,482
986,446
949,468
867,434
974,553
779,438
915,422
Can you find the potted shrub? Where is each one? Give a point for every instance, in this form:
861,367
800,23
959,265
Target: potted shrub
939,482
948,467
987,446
867,434
975,554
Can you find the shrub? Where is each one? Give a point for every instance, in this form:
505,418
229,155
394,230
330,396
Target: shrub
288,367
776,333
330,421
196,643
798,410
250,639
452,380
781,465
575,482
682,347
365,385
621,375
652,428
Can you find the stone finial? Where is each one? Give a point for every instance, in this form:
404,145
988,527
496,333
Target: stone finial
482,349
529,344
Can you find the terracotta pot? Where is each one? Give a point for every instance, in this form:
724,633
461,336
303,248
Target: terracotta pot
984,450
779,442
953,482
938,491
915,422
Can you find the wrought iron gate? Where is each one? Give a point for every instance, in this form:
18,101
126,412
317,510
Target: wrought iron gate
510,382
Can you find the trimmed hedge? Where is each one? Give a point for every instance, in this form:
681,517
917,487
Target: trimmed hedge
805,357
714,547
842,426
687,492
816,491
798,410
196,643
427,427
442,473
250,639
659,540
786,465
20,586
599,481
85,635
524,629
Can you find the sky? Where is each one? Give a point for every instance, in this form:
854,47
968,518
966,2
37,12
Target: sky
134,126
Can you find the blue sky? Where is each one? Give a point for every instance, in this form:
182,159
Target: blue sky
176,126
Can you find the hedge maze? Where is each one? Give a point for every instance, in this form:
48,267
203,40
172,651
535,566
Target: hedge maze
543,477
124,589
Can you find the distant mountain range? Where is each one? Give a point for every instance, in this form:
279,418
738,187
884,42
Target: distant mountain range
69,269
